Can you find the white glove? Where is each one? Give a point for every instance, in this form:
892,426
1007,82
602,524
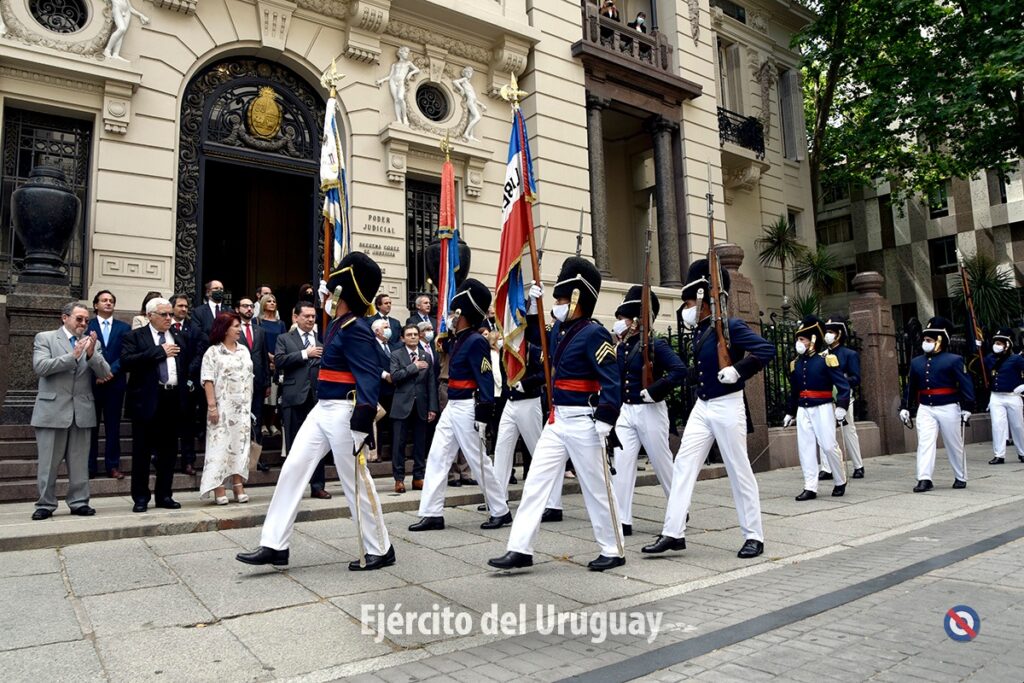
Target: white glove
536,292
840,414
329,307
481,427
603,429
358,439
729,375
646,396
965,415
1019,389
905,417
518,386
322,291
787,421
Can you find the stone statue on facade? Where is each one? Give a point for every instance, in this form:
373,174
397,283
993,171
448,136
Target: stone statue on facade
464,87
122,12
401,72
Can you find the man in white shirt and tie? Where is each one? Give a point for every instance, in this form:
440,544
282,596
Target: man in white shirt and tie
422,312
108,394
204,314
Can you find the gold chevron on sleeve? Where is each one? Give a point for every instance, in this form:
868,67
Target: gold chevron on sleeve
604,353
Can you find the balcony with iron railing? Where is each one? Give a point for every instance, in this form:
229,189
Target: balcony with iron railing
649,51
745,131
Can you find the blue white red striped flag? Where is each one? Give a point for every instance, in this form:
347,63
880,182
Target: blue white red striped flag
520,191
332,184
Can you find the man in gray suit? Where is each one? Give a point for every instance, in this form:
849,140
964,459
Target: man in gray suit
67,361
412,407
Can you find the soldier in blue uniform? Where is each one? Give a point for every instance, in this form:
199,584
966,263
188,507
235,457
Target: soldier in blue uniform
944,393
341,422
586,395
1006,379
849,362
644,417
813,376
463,421
717,416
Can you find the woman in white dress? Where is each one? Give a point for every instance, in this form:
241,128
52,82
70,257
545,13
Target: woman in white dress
227,376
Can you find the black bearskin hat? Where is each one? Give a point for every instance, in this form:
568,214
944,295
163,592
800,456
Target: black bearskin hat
472,300
633,303
699,277
810,327
1004,334
837,323
359,277
938,328
580,282
432,262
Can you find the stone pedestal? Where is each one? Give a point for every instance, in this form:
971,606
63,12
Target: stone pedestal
871,317
31,308
743,305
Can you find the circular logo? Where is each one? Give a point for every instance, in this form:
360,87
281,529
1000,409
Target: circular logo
962,623
265,114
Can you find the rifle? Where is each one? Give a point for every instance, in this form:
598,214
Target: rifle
540,251
972,321
717,299
579,235
645,306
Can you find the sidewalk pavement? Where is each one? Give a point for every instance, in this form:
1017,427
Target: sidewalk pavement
182,607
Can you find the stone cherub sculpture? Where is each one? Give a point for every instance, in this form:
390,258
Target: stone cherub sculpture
464,87
122,12
401,73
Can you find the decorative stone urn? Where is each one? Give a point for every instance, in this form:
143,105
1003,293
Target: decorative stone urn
45,212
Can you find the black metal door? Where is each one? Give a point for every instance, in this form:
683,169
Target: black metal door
422,209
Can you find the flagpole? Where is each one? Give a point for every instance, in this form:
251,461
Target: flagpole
512,94
329,79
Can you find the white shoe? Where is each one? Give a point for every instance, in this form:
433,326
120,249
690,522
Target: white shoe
240,497
265,431
221,500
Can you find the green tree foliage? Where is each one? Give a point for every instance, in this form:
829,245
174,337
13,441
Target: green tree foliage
818,269
805,304
995,298
778,245
912,91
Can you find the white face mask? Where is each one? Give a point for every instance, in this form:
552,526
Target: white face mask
998,348
501,343
429,336
927,346
386,333
620,327
560,311
801,348
830,338
690,316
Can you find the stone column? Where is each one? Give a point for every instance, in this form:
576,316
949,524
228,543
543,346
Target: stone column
665,197
743,305
871,317
598,184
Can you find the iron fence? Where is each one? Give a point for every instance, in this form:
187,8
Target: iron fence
908,345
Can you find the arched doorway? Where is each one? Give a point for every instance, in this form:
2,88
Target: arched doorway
248,184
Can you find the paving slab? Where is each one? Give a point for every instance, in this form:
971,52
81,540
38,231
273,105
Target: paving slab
42,615
144,608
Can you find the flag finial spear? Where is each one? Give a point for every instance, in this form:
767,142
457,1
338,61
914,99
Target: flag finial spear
446,147
511,92
330,78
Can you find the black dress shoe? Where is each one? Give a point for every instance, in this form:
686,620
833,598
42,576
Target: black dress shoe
512,480
824,475
469,482
923,485
482,507
858,473
427,524
627,529
140,506
551,515
190,470
84,511
959,484
321,494
511,560
262,466
839,490
168,503
42,513
807,495
664,543
265,555
603,563
497,522
455,482
1021,458
751,548
997,461
374,561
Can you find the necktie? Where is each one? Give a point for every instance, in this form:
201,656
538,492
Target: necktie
248,334
162,368
305,340
106,332
177,328
412,356
218,309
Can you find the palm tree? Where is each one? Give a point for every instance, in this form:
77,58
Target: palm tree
993,292
805,304
778,244
818,269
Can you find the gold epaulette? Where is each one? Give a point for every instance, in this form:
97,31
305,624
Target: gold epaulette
792,365
832,361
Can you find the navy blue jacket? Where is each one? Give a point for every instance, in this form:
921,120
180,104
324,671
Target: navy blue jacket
1008,375
350,348
669,370
748,350
533,378
112,348
944,372
820,373
470,362
849,363
584,369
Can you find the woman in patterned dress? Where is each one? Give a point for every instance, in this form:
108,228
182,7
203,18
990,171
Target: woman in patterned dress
227,380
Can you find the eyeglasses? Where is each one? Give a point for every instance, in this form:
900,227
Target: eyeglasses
80,318
168,314
245,305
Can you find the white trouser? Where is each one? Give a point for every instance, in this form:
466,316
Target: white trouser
816,426
572,432
724,420
325,429
1007,413
456,430
930,421
519,418
646,424
850,442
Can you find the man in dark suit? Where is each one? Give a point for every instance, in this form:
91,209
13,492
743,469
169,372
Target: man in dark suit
383,304
157,371
422,312
203,315
413,406
255,339
188,336
297,359
108,393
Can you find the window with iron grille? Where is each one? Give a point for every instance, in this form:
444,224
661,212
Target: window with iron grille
422,212
834,230
59,16
32,139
